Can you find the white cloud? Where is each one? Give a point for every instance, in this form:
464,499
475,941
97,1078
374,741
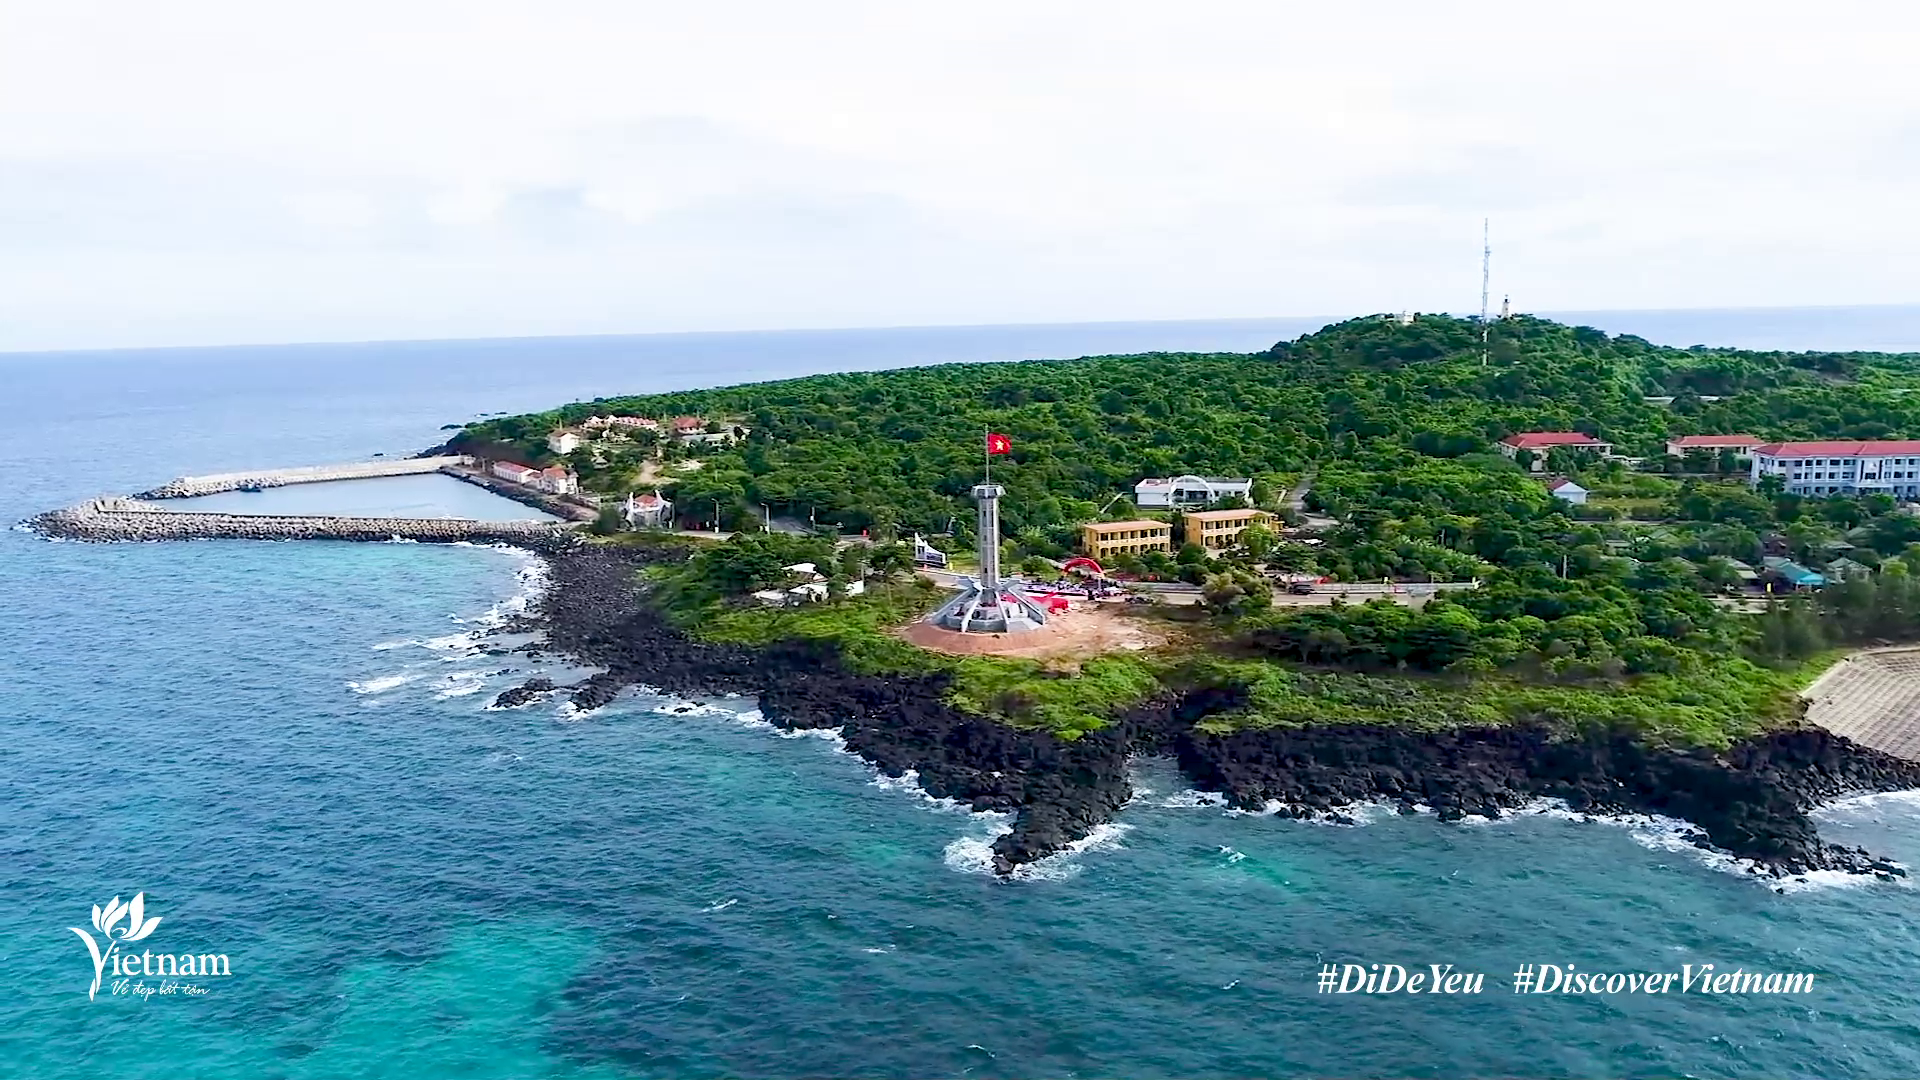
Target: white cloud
212,170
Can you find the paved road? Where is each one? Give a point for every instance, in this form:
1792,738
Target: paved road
1179,592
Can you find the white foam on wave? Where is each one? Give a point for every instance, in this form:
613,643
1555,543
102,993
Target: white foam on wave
721,906
531,578
1190,799
974,854
754,719
1353,815
1666,835
829,734
689,708
1875,806
382,683
908,783
461,683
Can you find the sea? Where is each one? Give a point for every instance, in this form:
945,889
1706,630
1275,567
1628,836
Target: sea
286,750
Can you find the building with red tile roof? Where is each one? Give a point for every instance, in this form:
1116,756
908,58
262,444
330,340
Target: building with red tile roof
1741,445
1842,466
1540,442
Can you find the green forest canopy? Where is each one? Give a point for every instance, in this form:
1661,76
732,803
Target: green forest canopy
903,447
1577,621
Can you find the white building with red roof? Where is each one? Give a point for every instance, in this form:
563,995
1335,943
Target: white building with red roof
1842,466
558,481
647,511
1540,443
1568,491
1741,445
517,473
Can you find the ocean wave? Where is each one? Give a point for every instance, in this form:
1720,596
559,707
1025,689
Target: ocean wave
461,683
908,783
689,708
382,683
1874,805
974,854
1352,815
1189,799
830,734
1665,835
754,719
721,906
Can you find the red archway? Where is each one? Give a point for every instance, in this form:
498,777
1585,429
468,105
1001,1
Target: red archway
1082,563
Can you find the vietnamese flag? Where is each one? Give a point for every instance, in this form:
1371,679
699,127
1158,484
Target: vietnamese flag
999,444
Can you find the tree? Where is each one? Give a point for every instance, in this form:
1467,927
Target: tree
890,559
1258,540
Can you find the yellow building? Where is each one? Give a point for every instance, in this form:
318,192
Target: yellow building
1106,538
1216,529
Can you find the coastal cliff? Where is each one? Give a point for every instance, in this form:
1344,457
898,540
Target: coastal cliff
1750,800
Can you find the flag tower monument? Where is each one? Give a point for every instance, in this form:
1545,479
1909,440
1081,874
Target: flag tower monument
984,605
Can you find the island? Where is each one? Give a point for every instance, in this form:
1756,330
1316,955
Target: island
1421,560
1447,565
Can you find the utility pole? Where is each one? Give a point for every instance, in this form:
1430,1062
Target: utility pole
1486,277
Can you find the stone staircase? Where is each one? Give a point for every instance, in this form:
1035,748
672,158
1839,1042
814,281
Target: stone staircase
1873,698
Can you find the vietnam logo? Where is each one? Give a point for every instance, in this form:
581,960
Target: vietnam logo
137,927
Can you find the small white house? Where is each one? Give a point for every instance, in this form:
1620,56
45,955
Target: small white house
1569,491
564,440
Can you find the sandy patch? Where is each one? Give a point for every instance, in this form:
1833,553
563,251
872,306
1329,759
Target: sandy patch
1086,629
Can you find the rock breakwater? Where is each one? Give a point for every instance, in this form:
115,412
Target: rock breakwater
213,484
130,519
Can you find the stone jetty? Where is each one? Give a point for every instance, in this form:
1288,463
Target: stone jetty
189,486
132,519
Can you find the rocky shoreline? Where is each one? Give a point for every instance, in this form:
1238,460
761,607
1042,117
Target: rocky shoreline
1750,801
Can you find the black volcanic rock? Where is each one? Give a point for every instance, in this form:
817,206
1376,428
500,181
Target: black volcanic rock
1751,800
526,692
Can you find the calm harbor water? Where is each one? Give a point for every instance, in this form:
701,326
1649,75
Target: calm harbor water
287,748
428,496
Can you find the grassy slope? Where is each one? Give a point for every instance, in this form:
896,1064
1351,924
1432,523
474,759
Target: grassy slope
1664,709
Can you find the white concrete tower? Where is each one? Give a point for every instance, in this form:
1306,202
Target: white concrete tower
984,604
987,497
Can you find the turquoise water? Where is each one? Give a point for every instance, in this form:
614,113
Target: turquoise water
429,496
287,748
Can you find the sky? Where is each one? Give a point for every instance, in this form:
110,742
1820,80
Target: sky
231,171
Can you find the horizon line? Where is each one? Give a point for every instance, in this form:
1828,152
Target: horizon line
1329,320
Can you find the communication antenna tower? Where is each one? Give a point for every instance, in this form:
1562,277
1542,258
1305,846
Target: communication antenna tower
1486,276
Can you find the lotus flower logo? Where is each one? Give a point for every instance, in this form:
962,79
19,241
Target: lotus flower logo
108,921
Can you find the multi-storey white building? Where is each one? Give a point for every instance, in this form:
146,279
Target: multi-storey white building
1883,466
1189,490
